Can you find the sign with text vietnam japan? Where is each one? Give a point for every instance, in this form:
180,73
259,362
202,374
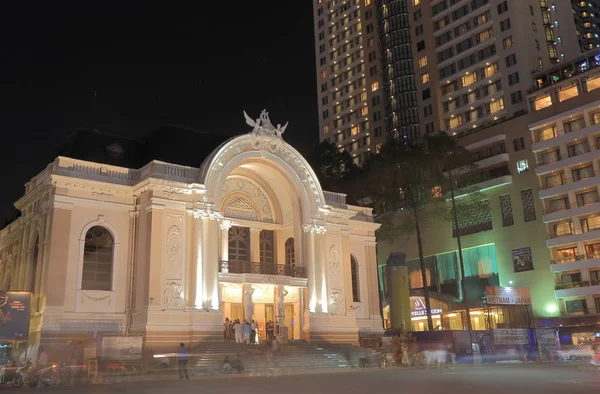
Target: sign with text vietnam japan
496,295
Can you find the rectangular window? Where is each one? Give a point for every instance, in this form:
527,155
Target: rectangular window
516,97
522,166
567,93
554,180
426,94
505,24
418,30
507,42
422,61
582,173
542,102
425,77
519,144
513,78
528,205
469,79
502,7
587,198
496,105
374,86
510,60
507,213
420,45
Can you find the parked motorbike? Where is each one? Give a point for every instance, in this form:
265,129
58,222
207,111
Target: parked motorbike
47,376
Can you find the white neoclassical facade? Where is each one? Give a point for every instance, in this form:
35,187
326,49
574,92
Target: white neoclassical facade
169,251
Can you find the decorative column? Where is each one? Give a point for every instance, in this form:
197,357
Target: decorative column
321,263
198,247
316,281
208,272
255,245
225,225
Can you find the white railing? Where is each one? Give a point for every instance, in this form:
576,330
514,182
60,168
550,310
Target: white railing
335,199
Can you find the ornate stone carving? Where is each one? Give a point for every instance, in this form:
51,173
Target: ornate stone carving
336,303
174,244
265,136
207,212
240,208
233,184
335,268
248,303
314,227
280,293
101,196
173,295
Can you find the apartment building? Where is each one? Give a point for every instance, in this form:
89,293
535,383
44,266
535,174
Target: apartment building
567,149
539,174
349,82
586,15
474,59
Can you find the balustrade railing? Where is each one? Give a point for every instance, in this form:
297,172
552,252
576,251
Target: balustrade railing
251,267
572,285
572,259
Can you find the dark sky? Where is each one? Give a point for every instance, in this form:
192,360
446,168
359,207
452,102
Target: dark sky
131,68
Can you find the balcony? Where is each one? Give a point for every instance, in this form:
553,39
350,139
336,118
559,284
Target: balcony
571,237
576,289
249,267
554,162
569,212
580,262
565,184
550,137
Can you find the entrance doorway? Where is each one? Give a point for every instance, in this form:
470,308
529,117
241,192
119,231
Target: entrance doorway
289,317
269,314
237,312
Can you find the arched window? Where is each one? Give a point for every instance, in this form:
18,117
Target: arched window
354,273
290,253
239,244
98,258
266,247
34,264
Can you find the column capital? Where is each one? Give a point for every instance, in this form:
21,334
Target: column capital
255,230
208,213
314,228
225,224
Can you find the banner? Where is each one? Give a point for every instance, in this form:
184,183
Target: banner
419,309
14,315
522,260
496,295
510,336
121,348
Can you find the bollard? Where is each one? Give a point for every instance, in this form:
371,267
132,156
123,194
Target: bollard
537,359
524,359
552,358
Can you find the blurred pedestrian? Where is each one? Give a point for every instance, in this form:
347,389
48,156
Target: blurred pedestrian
182,361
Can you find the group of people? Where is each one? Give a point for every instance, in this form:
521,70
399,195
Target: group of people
243,332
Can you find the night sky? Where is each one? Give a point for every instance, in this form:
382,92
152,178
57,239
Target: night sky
131,68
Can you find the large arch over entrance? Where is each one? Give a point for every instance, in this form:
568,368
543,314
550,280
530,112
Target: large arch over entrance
279,157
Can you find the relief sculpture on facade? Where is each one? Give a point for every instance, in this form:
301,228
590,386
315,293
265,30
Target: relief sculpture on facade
174,246
248,303
173,295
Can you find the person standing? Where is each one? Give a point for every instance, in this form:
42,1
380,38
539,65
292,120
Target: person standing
226,329
182,360
237,327
253,328
246,329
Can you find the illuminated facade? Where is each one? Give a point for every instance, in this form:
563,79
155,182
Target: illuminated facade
170,251
538,175
349,85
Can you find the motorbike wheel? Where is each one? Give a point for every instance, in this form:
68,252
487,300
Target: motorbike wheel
18,381
50,378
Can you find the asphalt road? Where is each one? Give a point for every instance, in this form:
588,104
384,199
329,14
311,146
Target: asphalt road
505,379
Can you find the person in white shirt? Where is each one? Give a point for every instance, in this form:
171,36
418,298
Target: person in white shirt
237,327
253,333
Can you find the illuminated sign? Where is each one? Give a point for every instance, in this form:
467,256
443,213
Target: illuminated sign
496,295
419,308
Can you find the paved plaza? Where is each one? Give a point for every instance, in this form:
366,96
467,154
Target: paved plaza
493,379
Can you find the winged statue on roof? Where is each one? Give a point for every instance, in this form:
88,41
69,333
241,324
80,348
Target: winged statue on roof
266,137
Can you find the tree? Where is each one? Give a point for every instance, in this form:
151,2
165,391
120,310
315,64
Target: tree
418,181
403,179
334,168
